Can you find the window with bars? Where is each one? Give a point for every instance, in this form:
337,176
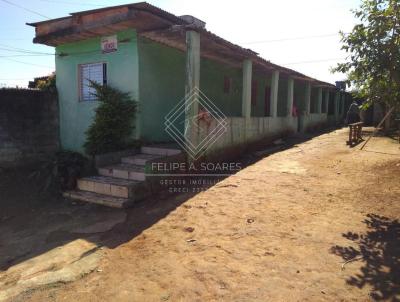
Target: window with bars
96,72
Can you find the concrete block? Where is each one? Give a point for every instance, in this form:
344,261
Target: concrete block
160,151
85,185
139,176
105,171
102,188
121,173
119,191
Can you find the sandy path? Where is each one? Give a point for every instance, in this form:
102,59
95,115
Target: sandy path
272,232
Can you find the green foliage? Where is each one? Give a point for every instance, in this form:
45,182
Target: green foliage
373,46
112,127
61,171
48,85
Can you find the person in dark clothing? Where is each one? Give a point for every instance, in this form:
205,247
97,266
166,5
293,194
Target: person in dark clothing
353,115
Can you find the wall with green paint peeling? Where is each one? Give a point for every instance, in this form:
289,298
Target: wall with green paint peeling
161,85
122,73
154,74
314,100
212,76
299,96
282,96
263,81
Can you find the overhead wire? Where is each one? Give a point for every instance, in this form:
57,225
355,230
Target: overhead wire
292,39
25,8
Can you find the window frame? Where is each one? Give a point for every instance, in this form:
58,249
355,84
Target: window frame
80,80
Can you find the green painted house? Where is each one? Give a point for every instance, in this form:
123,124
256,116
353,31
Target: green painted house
159,58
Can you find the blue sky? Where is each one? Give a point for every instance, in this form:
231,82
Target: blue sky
301,35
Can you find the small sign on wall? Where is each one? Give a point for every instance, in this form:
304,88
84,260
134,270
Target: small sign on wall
109,44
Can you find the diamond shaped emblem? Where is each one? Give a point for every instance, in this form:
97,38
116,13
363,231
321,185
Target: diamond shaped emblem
195,132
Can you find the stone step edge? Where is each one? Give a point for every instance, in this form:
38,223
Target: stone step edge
107,185
125,167
159,151
140,161
121,172
100,199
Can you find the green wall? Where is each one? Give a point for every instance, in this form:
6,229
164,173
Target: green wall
263,80
282,95
299,95
162,86
212,76
314,100
122,73
331,104
154,75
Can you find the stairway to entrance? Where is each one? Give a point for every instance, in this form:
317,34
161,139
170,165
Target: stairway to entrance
121,185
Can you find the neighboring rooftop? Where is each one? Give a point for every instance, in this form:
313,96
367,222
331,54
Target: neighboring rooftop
155,24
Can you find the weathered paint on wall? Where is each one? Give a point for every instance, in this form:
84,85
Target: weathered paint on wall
212,85
241,133
314,120
122,73
299,96
314,100
28,126
282,96
154,74
263,81
162,86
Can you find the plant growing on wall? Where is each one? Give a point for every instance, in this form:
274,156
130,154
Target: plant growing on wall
113,124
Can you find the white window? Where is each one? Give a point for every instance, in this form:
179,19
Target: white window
96,72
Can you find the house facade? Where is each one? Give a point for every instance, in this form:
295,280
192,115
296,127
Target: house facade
160,59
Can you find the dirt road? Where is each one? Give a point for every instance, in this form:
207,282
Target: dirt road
279,230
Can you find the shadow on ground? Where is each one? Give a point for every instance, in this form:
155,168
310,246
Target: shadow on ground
33,223
379,251
47,240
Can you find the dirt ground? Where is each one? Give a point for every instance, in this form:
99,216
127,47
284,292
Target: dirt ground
318,221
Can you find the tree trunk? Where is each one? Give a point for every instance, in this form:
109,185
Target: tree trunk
386,126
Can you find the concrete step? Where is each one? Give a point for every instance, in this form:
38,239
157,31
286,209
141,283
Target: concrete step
139,159
101,199
124,171
159,150
111,186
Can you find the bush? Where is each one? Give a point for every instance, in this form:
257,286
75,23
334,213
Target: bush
61,171
113,124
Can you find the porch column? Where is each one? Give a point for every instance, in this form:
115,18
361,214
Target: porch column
307,98
192,83
319,104
326,102
343,103
274,93
192,67
246,94
336,105
290,92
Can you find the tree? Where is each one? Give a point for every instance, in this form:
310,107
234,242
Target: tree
373,66
113,123
48,84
